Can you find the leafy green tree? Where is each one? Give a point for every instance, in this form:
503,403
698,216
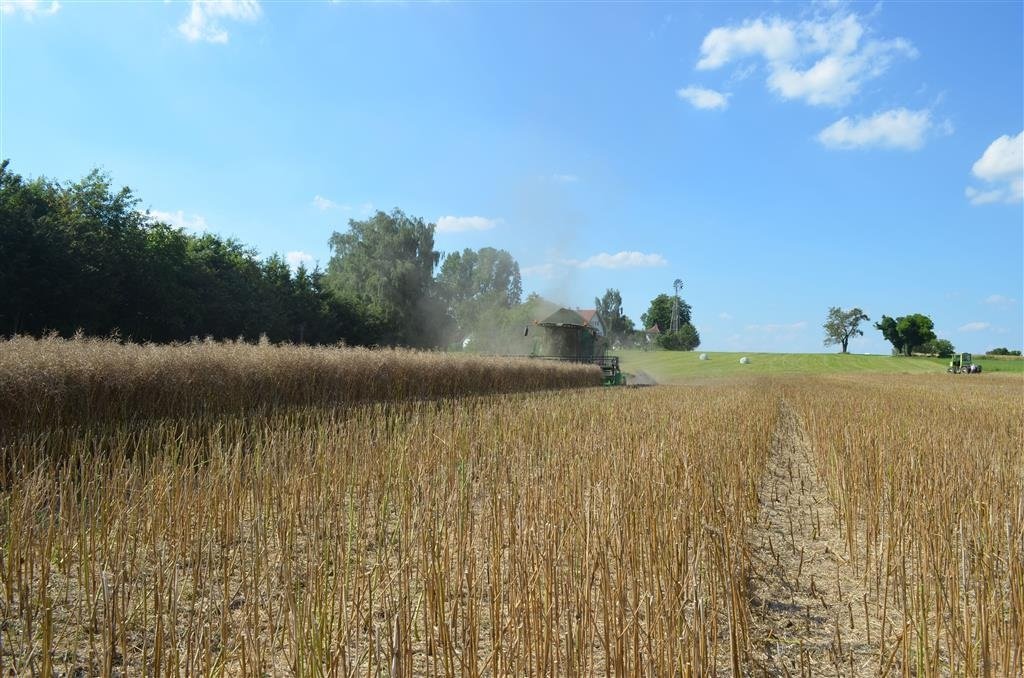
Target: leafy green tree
1002,351
906,333
841,326
476,284
387,263
660,313
82,256
686,339
940,347
617,324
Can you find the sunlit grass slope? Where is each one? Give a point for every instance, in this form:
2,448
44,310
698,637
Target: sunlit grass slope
672,366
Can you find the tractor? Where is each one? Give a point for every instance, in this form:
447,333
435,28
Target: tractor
962,363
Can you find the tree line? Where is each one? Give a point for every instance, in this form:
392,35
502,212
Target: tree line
82,257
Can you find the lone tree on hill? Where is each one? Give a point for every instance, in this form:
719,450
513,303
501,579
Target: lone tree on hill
841,326
906,332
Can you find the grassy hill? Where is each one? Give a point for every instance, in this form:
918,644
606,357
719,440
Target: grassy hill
673,366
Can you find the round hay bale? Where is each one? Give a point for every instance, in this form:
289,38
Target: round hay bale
744,360
703,356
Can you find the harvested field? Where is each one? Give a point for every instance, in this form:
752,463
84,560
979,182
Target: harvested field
578,532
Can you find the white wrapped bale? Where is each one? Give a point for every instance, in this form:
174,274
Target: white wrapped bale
703,356
744,360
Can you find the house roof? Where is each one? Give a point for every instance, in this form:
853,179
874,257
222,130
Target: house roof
654,329
587,314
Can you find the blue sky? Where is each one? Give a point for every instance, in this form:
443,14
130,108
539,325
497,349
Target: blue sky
779,158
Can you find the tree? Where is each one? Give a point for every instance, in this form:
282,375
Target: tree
617,324
1002,351
906,333
82,256
686,339
660,313
940,347
475,284
841,326
387,263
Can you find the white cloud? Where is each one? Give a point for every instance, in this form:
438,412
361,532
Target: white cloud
545,271
29,8
205,17
823,61
974,327
978,197
724,315
1001,164
622,259
323,204
706,99
196,223
896,128
999,300
461,224
298,258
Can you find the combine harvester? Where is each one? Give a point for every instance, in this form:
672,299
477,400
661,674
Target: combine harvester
576,337
963,363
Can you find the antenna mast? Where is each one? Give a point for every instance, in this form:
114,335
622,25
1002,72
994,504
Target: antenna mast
676,285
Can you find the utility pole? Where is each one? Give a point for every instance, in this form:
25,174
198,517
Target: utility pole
676,285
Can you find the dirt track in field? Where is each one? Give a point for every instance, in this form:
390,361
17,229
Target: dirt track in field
807,603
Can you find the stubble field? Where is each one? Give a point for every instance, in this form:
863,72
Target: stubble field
821,525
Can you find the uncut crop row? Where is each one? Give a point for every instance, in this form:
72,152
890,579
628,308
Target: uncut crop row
52,380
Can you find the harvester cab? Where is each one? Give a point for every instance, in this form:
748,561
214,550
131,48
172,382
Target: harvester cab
963,363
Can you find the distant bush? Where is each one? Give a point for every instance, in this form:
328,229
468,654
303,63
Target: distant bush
1002,351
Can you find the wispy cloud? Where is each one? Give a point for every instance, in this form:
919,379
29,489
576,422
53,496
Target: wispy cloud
974,327
543,271
299,258
724,315
897,128
205,19
463,224
195,223
29,8
778,328
703,98
999,300
822,61
624,259
323,204
1002,166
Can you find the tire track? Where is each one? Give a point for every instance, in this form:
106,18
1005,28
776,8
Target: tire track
808,606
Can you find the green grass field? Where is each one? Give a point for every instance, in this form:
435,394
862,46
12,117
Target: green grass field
676,366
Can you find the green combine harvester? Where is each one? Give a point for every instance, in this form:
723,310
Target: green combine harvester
567,336
963,363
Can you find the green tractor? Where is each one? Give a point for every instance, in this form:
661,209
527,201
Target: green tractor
963,363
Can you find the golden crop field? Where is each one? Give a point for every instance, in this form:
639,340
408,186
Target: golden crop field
803,526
